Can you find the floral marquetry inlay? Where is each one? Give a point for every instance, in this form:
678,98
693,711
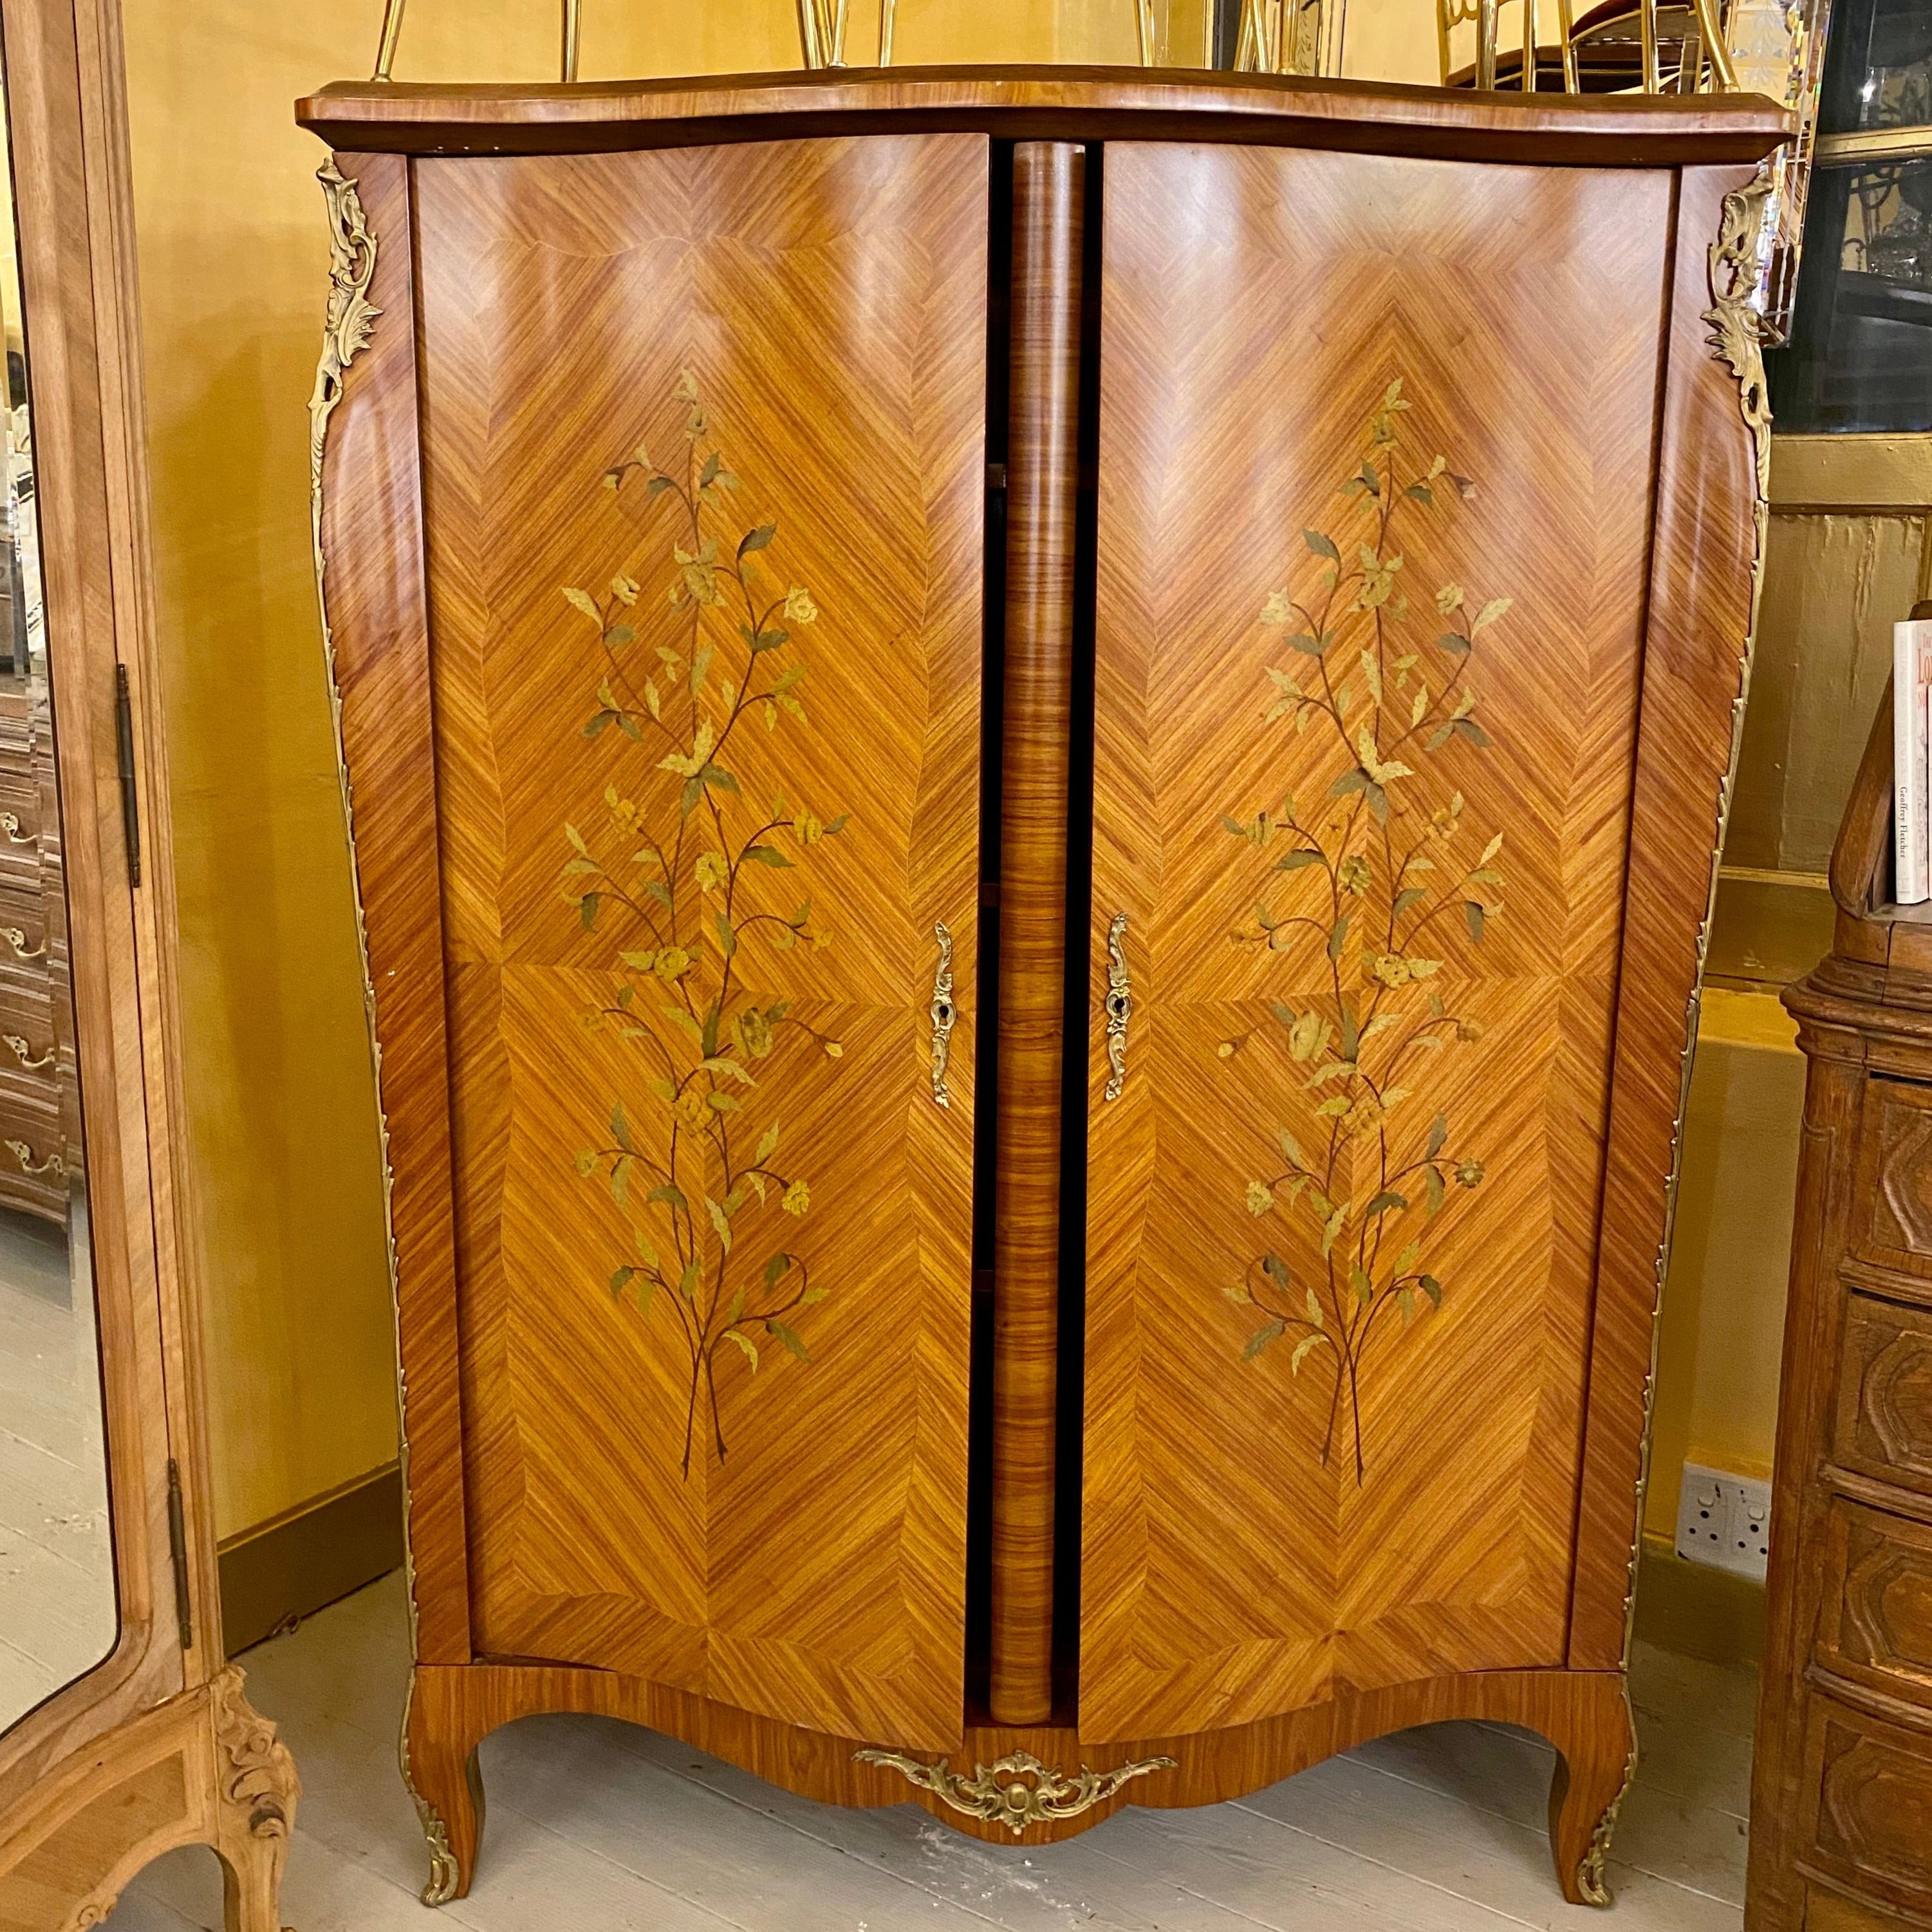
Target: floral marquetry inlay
690,663
1380,667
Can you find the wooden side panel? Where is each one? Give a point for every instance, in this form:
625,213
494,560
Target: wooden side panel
704,457
1342,1214
371,537
1695,667
1796,1602
1041,474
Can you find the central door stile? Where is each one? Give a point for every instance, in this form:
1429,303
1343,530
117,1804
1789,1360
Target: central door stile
1042,484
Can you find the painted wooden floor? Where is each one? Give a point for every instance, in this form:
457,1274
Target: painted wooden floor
596,1827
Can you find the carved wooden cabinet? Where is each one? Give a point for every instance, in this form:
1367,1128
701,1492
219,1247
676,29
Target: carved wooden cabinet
40,1094
1841,1807
1034,761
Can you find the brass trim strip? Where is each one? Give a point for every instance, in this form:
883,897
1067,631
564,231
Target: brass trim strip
1735,339
944,1012
994,1791
1120,1006
1877,144
350,318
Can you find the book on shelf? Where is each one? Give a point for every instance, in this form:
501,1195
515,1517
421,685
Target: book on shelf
1911,695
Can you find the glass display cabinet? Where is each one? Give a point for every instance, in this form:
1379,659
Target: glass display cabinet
1859,357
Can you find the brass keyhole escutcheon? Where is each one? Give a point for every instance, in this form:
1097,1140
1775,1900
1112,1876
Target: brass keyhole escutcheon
1118,1006
944,1014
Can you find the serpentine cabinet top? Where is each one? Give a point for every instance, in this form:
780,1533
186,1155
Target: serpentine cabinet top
1056,103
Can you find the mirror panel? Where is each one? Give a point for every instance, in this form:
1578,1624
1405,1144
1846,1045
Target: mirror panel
59,1615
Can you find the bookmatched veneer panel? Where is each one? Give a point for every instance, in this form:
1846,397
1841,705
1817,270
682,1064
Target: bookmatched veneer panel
704,449
1373,895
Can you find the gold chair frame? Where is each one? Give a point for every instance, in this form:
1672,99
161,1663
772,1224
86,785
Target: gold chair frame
1714,57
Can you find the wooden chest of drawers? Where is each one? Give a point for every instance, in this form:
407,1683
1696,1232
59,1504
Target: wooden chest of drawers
40,1107
1841,1814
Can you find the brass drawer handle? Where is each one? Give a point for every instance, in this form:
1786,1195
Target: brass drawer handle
1120,1008
24,1154
17,940
22,1050
10,823
944,1012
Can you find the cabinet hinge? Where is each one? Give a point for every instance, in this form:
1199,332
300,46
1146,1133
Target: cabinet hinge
177,1549
130,810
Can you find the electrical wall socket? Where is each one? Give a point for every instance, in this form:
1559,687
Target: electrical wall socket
1724,1520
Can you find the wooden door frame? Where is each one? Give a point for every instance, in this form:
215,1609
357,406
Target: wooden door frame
159,1727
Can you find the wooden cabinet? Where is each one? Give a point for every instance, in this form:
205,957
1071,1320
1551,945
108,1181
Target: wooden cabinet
1034,766
1841,1807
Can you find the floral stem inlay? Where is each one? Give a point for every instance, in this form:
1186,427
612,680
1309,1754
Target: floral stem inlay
669,884
1369,873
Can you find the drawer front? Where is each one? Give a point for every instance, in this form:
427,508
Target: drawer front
1875,1625
1832,1911
1883,1427
1892,1226
1870,1783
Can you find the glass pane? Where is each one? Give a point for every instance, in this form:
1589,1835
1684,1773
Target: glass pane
1860,352
58,1614
1878,71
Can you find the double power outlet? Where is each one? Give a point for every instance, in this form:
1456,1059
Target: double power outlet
1724,1520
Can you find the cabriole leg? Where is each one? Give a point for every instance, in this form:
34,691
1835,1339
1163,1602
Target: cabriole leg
1596,1758
440,1762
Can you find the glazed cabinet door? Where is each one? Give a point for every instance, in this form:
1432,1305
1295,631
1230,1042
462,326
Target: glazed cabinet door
1376,446
703,457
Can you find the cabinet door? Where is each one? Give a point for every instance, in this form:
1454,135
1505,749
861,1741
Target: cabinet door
1374,460
703,446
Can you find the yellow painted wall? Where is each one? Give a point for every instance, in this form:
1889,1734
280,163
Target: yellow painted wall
1724,1300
